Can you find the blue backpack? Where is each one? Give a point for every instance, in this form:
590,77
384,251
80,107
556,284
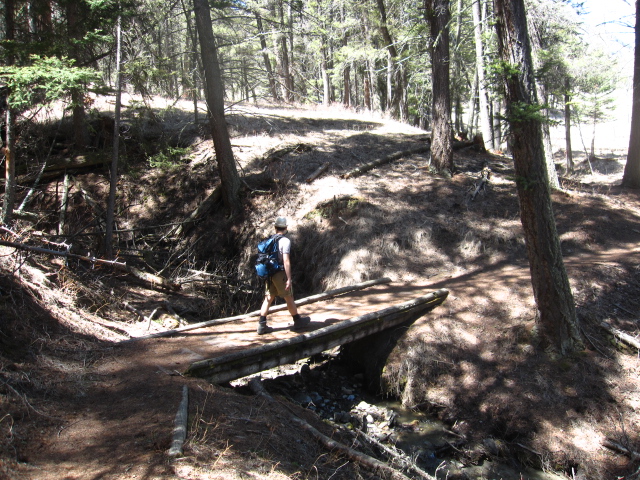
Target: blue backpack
267,262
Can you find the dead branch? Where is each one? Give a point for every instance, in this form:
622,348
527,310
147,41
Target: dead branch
372,463
172,312
203,208
620,306
303,301
133,309
397,455
388,159
323,168
485,175
64,202
154,280
142,316
619,334
617,447
180,429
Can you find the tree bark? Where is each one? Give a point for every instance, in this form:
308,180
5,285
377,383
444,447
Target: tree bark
551,287
438,15
229,177
631,177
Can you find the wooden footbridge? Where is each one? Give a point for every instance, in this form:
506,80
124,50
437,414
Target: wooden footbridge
222,350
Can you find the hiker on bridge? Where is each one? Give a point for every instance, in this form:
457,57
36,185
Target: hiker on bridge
280,283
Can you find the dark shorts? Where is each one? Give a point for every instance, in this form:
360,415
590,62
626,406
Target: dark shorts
276,286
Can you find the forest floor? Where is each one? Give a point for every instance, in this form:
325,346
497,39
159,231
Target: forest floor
74,406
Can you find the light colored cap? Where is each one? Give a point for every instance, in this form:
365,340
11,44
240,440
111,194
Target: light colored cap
281,222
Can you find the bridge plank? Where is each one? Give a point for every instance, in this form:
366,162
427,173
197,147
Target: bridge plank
249,361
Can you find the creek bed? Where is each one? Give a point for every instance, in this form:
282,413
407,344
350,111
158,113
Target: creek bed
326,386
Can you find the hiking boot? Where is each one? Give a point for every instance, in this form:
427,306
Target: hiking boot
264,328
300,322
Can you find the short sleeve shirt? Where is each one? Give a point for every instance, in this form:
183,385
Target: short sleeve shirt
284,246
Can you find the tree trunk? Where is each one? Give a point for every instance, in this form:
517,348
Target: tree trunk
229,179
483,96
438,15
8,148
551,287
326,80
567,125
471,105
80,133
395,84
113,184
538,44
285,66
193,39
346,78
265,58
10,170
631,177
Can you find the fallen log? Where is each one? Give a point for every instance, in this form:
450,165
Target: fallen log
279,153
619,334
55,170
149,278
371,463
279,308
323,168
388,159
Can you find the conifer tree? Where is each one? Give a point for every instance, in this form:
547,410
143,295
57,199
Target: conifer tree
551,288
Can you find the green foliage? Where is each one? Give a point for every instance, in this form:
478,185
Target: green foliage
521,112
499,69
595,79
168,158
44,81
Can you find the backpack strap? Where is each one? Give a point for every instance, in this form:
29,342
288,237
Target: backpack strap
276,247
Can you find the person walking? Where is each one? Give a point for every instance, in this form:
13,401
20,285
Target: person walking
280,284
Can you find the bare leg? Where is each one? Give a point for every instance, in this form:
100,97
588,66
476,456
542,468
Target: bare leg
291,305
264,310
